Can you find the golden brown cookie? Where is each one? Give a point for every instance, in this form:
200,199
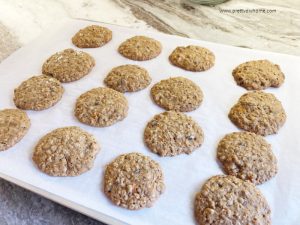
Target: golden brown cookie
133,181
258,112
101,107
14,124
178,94
128,78
140,48
38,93
247,156
192,58
172,133
258,75
68,151
229,200
68,65
93,36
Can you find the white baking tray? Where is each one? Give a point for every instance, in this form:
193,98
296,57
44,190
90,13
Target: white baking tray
184,174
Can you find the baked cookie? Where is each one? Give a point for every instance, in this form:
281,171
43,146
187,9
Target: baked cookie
68,65
247,156
14,124
140,48
38,93
172,133
192,58
258,75
128,78
68,151
258,112
101,107
93,36
178,94
133,181
229,200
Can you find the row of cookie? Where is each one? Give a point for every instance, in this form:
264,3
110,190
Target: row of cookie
244,156
252,75
248,160
42,92
141,48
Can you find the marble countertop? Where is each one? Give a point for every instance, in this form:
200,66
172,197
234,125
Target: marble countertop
272,25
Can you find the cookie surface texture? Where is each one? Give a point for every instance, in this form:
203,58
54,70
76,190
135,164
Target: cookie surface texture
247,156
68,151
258,112
140,48
68,65
192,58
14,124
101,107
38,93
231,201
258,75
93,36
133,181
128,78
178,94
173,133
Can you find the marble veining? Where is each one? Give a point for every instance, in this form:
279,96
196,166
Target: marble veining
22,21
278,31
8,42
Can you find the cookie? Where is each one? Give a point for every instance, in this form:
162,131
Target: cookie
178,94
192,58
133,181
68,65
247,156
140,48
67,151
14,124
128,78
258,75
229,200
93,36
258,112
101,107
38,93
172,133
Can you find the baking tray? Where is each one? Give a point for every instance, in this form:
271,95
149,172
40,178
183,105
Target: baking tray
184,174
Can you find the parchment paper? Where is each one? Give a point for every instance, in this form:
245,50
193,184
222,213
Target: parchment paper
184,174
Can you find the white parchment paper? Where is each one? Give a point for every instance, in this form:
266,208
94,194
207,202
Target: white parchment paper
184,174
